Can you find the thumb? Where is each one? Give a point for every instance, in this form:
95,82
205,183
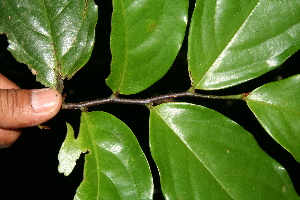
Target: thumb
21,108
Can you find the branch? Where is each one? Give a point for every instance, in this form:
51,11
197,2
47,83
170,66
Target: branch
83,105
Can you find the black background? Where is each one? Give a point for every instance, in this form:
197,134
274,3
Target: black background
28,169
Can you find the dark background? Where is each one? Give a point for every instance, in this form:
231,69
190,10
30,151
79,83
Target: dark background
28,169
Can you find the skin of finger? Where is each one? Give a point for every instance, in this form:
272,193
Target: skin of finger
5,83
16,110
8,136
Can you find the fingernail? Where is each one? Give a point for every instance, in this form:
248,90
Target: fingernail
44,99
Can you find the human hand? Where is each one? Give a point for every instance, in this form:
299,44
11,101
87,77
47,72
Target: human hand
21,108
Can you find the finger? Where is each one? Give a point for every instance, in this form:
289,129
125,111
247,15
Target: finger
5,83
7,136
21,108
22,114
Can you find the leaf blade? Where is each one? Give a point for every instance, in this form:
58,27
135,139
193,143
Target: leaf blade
202,154
115,166
276,107
145,39
261,35
53,38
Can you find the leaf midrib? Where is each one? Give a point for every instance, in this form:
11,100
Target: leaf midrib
158,113
220,56
126,49
274,105
92,146
56,69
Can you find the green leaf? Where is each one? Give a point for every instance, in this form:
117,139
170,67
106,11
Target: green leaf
145,39
53,37
277,107
231,42
115,166
69,152
201,154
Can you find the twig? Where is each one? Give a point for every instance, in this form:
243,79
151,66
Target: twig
151,100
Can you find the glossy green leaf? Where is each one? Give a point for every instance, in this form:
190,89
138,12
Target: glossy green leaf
276,105
53,37
231,42
145,39
115,166
202,154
